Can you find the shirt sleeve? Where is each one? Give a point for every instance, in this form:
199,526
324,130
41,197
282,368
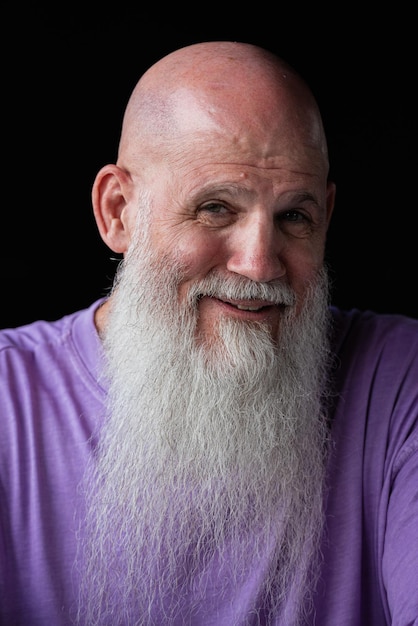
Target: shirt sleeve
400,552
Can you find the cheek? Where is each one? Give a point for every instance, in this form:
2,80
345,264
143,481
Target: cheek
302,265
196,265
198,255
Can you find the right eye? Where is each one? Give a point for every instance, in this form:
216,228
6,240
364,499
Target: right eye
215,214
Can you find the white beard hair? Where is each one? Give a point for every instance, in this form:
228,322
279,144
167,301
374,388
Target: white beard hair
212,456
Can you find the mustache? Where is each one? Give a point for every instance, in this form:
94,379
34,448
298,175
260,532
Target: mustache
240,288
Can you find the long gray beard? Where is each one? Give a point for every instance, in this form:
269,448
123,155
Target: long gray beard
211,462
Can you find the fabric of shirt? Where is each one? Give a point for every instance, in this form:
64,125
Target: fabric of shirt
51,403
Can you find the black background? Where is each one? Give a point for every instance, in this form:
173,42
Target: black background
68,74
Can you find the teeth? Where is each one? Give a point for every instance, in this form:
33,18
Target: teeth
248,308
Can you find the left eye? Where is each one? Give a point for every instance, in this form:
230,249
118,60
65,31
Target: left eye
293,216
294,223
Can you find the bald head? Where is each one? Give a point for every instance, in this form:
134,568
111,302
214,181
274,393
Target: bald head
213,87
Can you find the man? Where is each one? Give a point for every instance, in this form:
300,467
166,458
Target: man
212,443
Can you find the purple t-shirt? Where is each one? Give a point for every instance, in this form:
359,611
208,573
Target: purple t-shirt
51,403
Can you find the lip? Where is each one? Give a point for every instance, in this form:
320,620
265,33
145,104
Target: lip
247,305
243,309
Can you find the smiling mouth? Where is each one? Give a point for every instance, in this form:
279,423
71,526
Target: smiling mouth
252,307
248,305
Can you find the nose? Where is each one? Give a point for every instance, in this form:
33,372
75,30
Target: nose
255,250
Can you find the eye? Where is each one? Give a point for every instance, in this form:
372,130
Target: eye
215,214
214,208
293,216
294,222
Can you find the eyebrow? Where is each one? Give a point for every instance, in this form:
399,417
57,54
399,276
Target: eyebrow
235,190
231,189
304,196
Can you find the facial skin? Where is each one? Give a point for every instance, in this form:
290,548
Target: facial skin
238,182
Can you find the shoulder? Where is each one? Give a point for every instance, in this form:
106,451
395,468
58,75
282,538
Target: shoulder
39,348
376,375
369,333
48,373
42,333
30,337
374,350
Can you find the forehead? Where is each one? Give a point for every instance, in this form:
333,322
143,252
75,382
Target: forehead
204,127
241,158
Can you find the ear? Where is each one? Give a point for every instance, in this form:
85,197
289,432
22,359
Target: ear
331,191
112,191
